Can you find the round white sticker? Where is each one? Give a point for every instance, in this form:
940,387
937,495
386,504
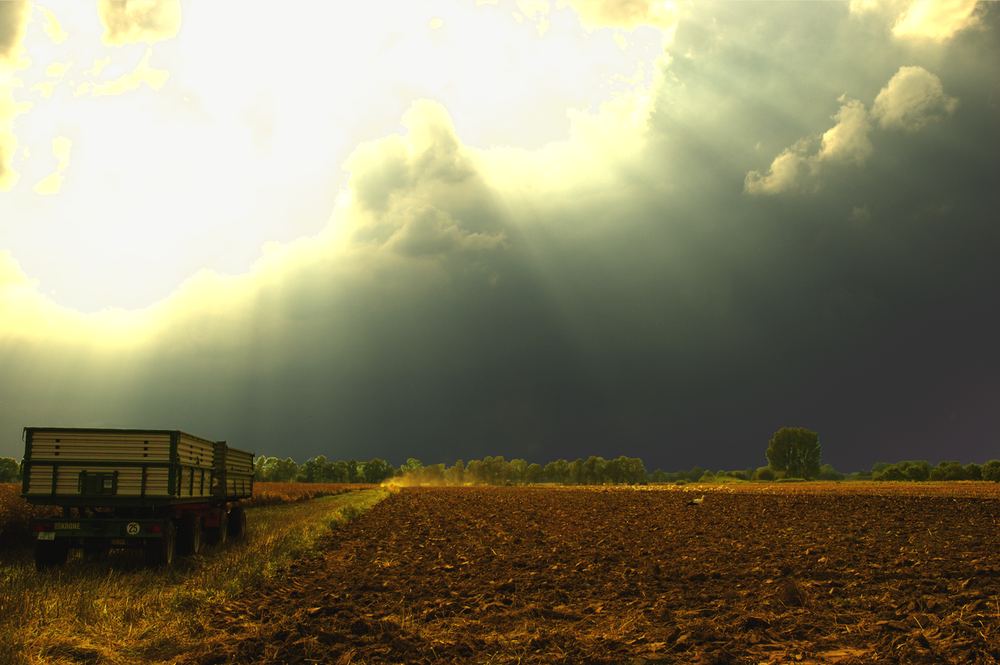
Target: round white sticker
132,528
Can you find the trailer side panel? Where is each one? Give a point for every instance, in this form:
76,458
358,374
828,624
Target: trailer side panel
195,458
66,463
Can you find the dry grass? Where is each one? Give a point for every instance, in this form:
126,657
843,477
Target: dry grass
15,514
266,494
118,611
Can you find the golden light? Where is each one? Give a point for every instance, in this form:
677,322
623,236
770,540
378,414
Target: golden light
153,145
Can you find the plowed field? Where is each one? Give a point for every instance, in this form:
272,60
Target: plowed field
553,575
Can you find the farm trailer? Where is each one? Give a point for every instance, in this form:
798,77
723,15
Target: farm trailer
164,491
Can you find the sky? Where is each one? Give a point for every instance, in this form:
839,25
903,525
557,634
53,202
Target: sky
541,229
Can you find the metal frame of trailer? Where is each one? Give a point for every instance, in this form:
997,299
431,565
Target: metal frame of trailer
133,492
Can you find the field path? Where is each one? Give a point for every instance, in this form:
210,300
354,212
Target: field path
559,575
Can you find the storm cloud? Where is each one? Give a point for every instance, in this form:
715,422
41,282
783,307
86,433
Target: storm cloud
627,291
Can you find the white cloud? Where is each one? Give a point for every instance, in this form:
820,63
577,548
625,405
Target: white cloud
13,19
414,191
864,6
797,167
626,14
130,21
52,183
142,74
912,99
53,28
936,20
787,171
929,20
848,140
8,142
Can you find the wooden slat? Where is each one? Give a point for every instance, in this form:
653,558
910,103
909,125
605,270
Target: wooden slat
129,480
84,435
104,446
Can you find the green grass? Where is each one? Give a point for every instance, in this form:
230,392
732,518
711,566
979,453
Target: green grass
119,611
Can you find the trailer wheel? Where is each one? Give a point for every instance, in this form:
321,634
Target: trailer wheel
49,554
217,535
189,534
160,552
237,523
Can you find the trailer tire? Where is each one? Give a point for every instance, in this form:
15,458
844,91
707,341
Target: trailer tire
160,552
217,535
189,534
237,523
49,554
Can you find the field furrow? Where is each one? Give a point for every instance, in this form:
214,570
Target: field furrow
558,575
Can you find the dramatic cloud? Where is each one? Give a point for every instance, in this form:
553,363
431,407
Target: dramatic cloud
847,141
130,21
797,167
936,20
786,172
922,20
912,99
420,195
598,283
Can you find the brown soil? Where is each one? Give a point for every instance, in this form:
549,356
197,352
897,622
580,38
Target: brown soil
554,575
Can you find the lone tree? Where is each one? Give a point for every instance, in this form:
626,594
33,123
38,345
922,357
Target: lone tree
796,451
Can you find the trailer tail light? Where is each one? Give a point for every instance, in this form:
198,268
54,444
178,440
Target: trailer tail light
154,528
42,526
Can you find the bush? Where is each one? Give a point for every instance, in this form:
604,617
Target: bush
991,470
891,472
827,472
9,470
763,473
918,470
948,471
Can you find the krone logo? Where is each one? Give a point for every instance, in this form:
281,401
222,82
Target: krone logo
132,528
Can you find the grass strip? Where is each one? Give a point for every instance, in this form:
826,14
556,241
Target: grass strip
119,611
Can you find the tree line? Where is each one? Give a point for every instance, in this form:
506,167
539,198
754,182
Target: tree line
792,453
923,470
